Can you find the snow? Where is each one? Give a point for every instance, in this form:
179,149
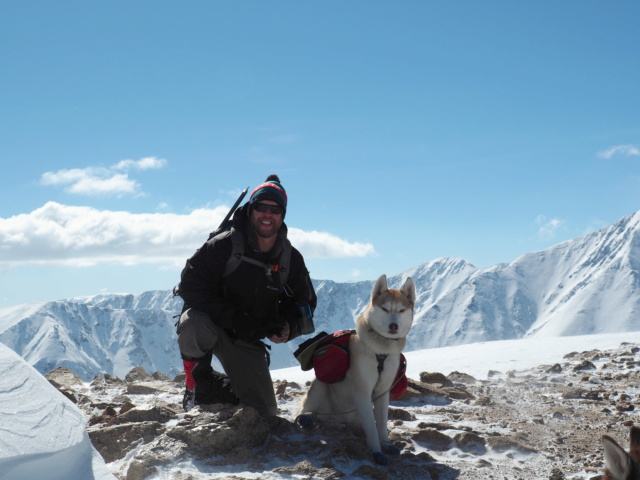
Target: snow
42,434
477,359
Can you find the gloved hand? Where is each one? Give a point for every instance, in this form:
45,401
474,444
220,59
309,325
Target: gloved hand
296,320
245,328
275,325
282,335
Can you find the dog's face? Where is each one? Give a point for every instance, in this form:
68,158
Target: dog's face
390,312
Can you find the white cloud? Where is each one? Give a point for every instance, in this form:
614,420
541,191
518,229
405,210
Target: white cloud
100,180
548,227
623,150
324,245
58,234
146,163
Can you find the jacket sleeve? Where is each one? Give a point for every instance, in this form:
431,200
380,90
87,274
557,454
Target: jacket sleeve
201,281
300,284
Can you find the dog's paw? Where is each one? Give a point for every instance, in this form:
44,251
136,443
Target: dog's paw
305,421
380,458
390,449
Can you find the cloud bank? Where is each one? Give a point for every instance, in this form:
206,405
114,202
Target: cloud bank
58,234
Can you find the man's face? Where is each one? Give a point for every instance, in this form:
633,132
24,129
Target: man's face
266,224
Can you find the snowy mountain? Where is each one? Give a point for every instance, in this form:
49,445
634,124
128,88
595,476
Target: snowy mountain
99,334
584,286
587,285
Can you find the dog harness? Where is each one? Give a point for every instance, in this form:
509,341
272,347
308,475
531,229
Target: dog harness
381,357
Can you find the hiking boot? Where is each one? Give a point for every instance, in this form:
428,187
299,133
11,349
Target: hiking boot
211,386
189,399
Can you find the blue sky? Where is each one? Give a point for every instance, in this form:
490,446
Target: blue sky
402,131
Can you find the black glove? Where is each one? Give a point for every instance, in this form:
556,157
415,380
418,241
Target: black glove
244,328
277,326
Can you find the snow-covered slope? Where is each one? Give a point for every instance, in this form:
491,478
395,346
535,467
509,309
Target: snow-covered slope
43,434
587,285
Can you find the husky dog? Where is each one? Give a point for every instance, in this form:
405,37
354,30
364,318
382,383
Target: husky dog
381,335
620,464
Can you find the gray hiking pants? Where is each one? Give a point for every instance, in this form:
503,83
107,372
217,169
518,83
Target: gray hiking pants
245,363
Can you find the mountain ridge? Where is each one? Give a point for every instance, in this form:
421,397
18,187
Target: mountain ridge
590,284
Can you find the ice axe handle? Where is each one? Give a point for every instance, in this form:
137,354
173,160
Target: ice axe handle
235,205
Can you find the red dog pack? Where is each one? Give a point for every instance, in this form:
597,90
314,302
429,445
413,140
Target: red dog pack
328,355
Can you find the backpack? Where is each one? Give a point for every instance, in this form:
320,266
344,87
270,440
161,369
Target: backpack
237,254
328,355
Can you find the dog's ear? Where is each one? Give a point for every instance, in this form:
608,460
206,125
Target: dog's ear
409,289
617,460
380,287
634,445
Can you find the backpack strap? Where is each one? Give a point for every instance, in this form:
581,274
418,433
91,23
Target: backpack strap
285,261
237,251
237,256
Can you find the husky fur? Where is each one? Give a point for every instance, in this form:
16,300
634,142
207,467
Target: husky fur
621,465
381,330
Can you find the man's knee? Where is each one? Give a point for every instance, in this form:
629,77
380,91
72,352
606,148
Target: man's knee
196,334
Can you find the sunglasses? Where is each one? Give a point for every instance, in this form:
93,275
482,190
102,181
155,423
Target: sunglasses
263,207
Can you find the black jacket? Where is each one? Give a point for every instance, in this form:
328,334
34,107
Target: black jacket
248,303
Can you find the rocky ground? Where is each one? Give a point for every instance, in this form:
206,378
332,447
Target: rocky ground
543,423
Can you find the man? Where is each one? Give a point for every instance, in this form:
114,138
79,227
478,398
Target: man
233,299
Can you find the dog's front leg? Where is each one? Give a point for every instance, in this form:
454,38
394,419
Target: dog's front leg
381,414
365,412
315,396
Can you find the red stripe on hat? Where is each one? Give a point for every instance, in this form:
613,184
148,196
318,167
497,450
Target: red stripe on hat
270,185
